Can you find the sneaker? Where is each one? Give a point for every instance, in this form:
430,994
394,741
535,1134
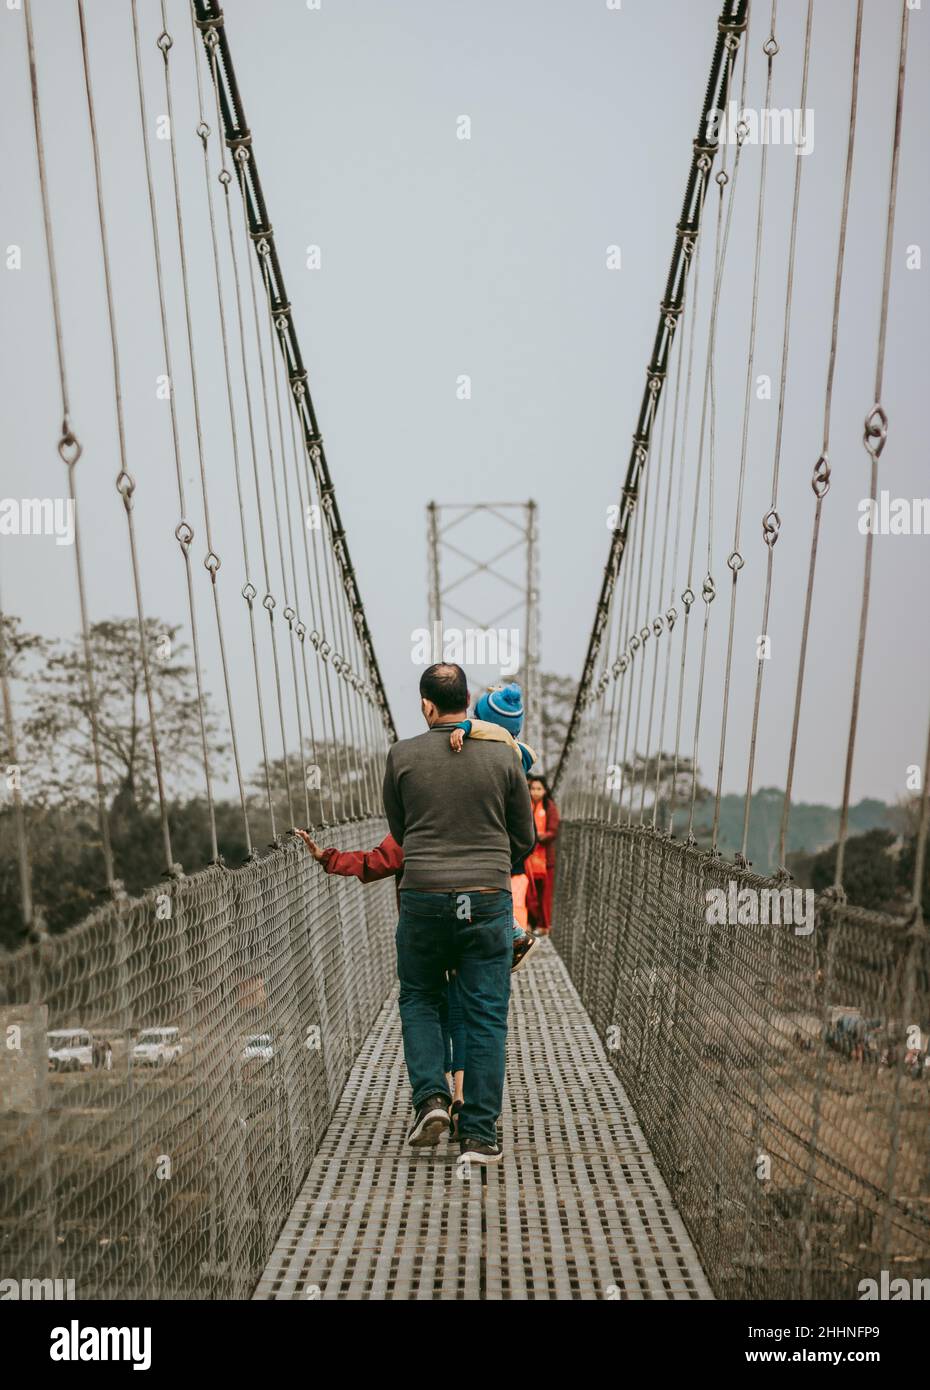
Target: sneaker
521,949
477,1151
454,1118
432,1118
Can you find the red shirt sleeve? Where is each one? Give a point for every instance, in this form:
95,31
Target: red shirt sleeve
369,865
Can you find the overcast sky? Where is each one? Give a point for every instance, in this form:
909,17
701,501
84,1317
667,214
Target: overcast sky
487,257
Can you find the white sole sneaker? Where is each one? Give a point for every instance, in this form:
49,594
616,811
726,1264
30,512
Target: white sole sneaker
471,1156
428,1128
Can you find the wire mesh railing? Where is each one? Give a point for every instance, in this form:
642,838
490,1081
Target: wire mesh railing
774,1040
777,1066
169,1068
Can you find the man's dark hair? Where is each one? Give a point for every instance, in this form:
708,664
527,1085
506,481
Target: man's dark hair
446,685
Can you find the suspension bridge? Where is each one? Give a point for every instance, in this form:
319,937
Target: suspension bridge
203,1093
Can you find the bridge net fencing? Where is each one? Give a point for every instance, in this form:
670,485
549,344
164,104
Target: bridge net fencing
169,1063
226,1010
795,1149
759,978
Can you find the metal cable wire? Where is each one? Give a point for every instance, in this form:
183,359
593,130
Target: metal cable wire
670,616
209,19
687,594
319,638
771,522
875,435
645,632
211,559
269,603
820,480
291,613
249,591
634,643
296,453
70,451
735,559
617,668
731,22
125,483
184,532
708,589
780,1075
640,512
658,624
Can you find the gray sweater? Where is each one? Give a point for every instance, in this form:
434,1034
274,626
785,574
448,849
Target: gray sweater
461,817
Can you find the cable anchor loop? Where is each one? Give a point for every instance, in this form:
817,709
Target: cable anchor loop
876,431
771,526
820,481
125,486
70,448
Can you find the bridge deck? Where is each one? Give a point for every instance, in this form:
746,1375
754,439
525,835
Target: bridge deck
577,1209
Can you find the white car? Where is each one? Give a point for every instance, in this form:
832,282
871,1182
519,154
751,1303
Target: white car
70,1049
258,1048
157,1047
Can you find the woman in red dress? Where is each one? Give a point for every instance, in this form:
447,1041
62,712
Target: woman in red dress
540,865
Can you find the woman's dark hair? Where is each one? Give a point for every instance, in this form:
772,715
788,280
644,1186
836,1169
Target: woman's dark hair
535,777
446,685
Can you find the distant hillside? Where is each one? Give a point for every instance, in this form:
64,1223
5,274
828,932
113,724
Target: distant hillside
811,827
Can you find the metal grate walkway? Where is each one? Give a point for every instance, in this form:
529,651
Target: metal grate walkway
577,1209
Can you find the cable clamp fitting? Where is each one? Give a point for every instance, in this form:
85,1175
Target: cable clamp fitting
212,22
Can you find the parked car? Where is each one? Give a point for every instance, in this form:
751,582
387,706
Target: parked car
70,1049
258,1048
157,1047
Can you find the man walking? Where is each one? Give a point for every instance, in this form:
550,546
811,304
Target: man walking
461,819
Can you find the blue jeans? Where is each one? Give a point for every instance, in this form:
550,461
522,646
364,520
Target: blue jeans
434,935
455,1042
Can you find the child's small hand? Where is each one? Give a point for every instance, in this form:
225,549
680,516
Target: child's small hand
456,740
312,845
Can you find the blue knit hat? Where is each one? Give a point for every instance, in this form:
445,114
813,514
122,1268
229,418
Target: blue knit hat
503,707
